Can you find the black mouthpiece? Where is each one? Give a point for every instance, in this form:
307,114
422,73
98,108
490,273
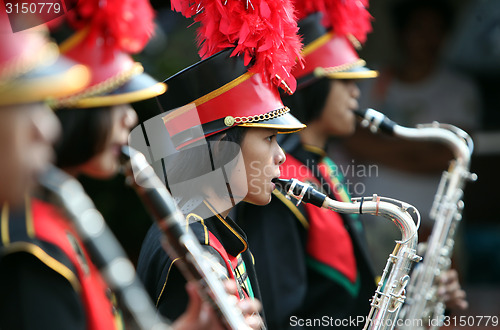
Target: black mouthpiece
360,113
281,183
375,120
310,195
125,154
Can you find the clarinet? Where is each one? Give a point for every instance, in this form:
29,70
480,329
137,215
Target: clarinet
390,293
195,263
423,302
104,249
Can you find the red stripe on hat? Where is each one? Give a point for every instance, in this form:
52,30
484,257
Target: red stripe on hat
338,50
250,97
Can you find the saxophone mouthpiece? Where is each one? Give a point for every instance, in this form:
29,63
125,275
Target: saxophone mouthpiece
300,191
375,121
360,113
281,183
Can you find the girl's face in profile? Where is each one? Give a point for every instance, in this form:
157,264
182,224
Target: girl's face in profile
106,163
338,117
262,157
27,132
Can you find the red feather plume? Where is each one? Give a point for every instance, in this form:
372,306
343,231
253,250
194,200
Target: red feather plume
342,16
126,25
303,8
264,32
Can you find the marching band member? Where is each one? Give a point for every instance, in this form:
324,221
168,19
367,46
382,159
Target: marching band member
324,254
226,114
27,125
312,263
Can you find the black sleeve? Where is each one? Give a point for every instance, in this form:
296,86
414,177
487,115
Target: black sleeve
163,280
33,296
173,299
277,239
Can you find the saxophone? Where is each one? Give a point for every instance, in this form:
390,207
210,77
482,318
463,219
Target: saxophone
390,293
104,249
423,302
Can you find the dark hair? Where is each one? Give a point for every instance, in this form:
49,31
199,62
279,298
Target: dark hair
195,161
308,103
84,133
402,11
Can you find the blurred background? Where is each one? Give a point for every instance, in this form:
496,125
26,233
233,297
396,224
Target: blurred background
470,49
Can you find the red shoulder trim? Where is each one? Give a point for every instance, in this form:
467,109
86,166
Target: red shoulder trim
228,260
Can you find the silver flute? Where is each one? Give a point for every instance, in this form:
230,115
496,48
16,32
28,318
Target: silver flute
423,303
390,294
104,249
195,263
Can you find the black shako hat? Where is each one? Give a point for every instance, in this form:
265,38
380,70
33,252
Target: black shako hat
248,53
218,93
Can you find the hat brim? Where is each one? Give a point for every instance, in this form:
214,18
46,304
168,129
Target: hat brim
279,119
59,79
285,124
139,88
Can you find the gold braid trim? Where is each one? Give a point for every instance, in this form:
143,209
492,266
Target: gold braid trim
165,283
5,224
323,72
101,88
28,61
47,259
230,121
355,42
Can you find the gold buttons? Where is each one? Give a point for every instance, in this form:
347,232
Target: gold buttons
229,121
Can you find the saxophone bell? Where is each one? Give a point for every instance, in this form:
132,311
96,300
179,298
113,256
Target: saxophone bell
423,302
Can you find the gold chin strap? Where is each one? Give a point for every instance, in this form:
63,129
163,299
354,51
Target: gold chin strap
320,72
230,120
101,88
